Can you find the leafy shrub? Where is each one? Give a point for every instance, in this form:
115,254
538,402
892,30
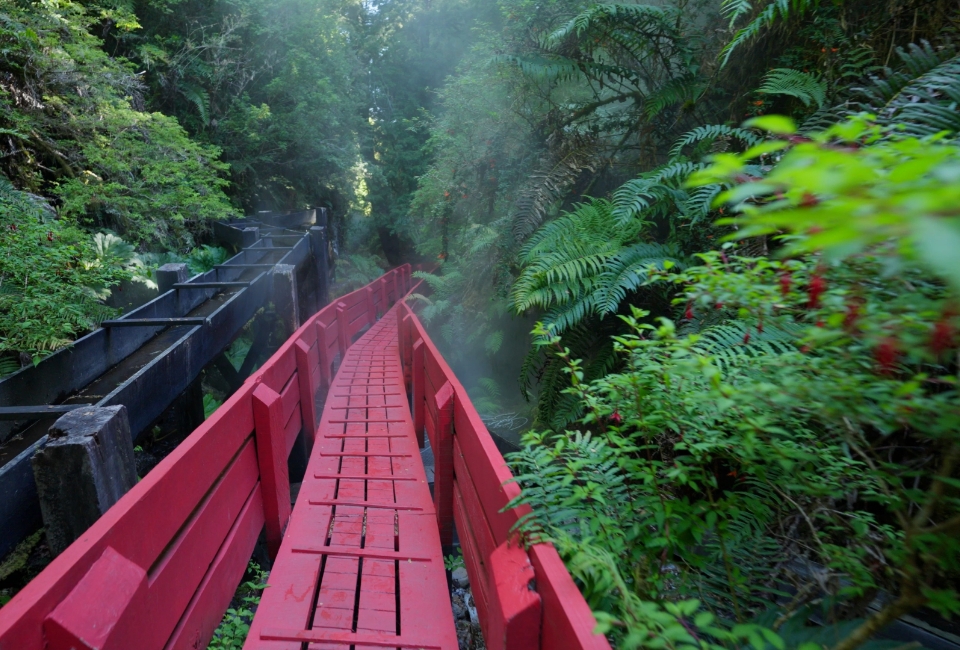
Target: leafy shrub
52,276
795,441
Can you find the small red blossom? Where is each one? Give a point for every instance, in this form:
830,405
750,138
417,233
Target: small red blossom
746,338
886,354
688,314
49,235
760,327
616,418
820,323
817,286
719,305
809,200
786,282
943,337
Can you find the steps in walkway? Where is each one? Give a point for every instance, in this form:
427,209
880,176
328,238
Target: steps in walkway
361,563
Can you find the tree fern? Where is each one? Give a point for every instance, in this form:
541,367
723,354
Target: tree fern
808,88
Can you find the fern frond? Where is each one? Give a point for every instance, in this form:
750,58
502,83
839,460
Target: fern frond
808,88
547,186
712,132
776,10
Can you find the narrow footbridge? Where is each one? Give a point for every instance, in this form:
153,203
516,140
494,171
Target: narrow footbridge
359,557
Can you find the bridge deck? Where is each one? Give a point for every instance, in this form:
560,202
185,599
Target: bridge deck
360,564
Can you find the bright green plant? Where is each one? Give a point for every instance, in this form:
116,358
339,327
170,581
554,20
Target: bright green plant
730,467
52,276
233,629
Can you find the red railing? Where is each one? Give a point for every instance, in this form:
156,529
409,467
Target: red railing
159,569
525,599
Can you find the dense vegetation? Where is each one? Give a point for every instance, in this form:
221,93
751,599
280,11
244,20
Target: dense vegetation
735,223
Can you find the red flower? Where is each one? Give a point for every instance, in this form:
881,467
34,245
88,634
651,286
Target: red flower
943,337
689,313
616,418
817,286
50,235
746,338
719,305
886,354
760,327
786,282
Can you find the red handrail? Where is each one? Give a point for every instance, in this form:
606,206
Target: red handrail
526,599
159,569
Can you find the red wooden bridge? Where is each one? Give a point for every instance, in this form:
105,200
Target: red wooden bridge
358,561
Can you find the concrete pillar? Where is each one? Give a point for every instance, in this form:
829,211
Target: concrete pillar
85,468
285,295
170,274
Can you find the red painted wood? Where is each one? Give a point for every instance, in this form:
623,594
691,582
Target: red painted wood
105,609
179,541
443,463
491,475
343,337
272,456
513,601
308,392
365,432
568,623
417,379
201,617
323,352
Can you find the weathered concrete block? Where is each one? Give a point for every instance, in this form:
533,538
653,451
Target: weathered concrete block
285,295
170,274
84,469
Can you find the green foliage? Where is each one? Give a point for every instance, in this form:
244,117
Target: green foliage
453,561
585,263
903,191
145,178
72,108
355,271
777,10
52,276
233,629
210,405
720,446
806,87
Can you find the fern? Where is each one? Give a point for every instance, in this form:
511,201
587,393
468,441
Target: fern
197,96
733,9
548,185
712,132
808,88
920,100
776,10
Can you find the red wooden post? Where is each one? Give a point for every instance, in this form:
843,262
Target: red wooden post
393,285
515,608
323,346
443,463
105,611
343,337
308,392
272,458
371,306
418,382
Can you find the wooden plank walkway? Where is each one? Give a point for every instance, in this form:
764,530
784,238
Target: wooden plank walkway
361,564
